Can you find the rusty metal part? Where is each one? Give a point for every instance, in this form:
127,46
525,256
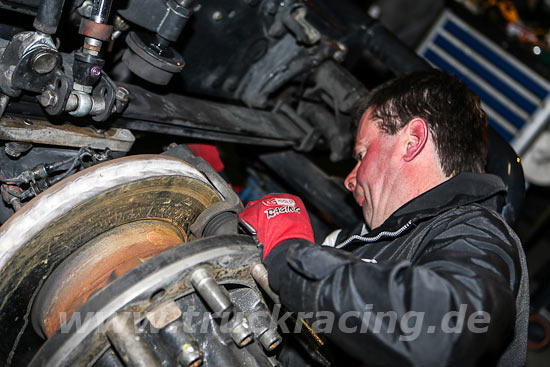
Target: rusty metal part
164,315
43,132
95,30
91,47
9,198
99,262
78,209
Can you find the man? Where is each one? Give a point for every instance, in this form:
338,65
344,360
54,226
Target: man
440,279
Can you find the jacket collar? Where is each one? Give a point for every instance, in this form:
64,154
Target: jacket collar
464,188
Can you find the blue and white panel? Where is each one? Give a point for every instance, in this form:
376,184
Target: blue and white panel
510,92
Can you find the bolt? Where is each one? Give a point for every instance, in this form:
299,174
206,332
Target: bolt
217,15
122,94
340,54
97,130
270,339
48,98
212,293
95,71
172,145
190,356
120,24
241,333
44,62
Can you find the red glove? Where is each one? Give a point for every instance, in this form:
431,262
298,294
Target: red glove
275,218
209,153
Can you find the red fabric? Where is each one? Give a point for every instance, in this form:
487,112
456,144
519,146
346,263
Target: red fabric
276,218
209,153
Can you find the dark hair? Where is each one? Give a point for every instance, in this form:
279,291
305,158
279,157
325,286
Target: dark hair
457,123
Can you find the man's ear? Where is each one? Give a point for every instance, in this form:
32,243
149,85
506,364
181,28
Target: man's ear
416,136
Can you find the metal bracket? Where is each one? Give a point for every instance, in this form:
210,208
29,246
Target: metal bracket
105,88
230,202
312,134
42,132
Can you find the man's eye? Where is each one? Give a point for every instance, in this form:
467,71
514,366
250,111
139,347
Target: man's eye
359,156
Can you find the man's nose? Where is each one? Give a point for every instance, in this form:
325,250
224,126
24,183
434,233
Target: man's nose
350,180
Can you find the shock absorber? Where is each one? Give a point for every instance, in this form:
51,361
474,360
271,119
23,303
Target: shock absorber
151,57
87,66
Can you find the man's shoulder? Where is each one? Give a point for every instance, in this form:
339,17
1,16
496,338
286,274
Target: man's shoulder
470,215
474,221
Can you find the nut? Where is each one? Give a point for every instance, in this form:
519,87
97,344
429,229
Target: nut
95,71
48,98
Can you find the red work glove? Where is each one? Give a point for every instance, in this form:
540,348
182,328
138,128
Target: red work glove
209,153
276,218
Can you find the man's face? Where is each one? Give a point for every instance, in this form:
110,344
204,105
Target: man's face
372,179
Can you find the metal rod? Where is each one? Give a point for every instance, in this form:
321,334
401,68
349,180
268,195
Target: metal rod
48,16
259,273
129,344
175,335
100,11
212,293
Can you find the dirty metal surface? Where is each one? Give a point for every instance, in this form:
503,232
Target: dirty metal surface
97,263
164,315
57,229
234,123
162,279
42,132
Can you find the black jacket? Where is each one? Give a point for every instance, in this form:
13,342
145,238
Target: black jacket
438,259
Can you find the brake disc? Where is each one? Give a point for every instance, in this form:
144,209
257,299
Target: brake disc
144,204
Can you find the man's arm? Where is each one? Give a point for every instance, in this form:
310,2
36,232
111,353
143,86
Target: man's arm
403,313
